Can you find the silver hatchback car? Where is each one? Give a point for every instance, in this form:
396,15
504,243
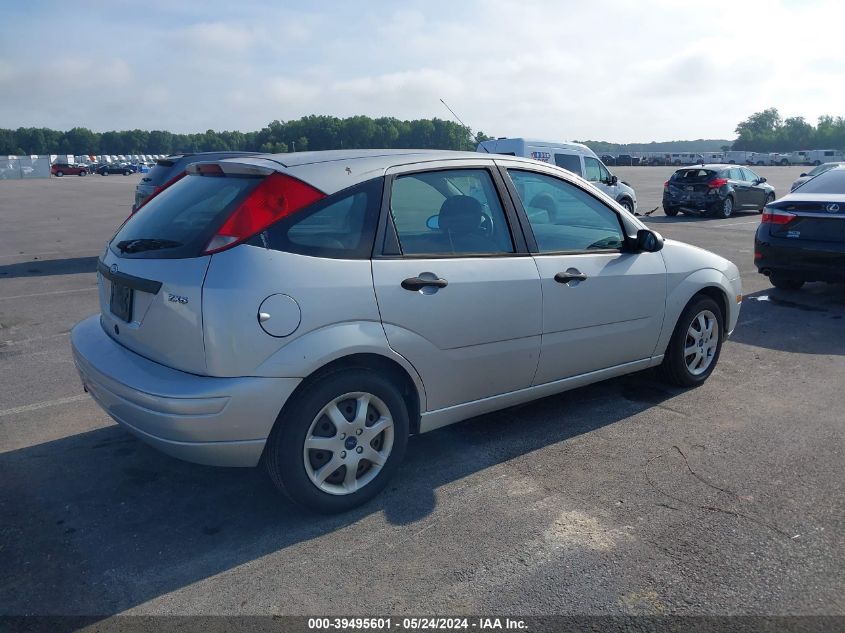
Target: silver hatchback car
308,312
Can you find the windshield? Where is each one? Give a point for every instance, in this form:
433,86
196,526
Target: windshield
832,181
181,219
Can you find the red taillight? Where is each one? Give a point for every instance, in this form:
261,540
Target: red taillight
717,183
665,184
775,216
159,189
276,197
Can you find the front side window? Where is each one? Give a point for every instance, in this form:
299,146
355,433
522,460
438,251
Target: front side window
748,175
445,213
565,218
592,169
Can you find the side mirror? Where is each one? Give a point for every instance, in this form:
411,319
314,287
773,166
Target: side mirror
613,180
761,180
648,241
433,222
803,176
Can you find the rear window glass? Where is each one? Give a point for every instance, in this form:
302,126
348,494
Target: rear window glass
689,175
182,218
570,162
832,181
160,173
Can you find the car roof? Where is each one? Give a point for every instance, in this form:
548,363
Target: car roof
712,166
333,170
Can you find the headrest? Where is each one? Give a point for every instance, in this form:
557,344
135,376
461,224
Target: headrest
460,214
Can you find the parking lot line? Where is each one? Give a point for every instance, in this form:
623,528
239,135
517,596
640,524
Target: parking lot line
43,405
52,292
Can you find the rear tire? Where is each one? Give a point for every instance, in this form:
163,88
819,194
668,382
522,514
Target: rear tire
127,172
726,209
689,360
670,211
779,280
83,173
105,172
298,471
59,174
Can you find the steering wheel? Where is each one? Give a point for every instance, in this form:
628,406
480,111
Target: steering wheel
485,226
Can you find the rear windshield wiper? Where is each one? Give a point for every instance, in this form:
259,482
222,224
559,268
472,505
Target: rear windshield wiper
145,244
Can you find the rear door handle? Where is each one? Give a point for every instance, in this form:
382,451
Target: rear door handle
418,283
566,277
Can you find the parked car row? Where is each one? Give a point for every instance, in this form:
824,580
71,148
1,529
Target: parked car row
731,157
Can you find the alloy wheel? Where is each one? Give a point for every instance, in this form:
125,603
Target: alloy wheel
348,443
702,341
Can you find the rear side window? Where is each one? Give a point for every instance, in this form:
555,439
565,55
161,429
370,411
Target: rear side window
181,219
449,213
832,181
570,162
341,226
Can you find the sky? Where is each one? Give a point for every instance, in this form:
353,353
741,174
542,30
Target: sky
621,71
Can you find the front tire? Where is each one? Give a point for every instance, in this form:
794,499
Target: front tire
83,173
629,206
59,174
670,211
769,199
338,443
104,172
696,344
779,280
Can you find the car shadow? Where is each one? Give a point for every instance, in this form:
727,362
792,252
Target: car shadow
682,218
96,523
807,321
48,267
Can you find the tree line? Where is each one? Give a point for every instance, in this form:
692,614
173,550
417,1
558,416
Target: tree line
766,131
763,131
312,132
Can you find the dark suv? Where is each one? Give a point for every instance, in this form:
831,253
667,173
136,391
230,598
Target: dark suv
802,235
716,189
168,170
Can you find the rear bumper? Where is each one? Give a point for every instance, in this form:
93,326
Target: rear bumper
693,201
807,260
214,421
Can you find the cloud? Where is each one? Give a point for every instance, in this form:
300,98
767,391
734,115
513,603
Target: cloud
627,71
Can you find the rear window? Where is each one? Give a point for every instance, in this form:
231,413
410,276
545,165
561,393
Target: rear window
181,220
160,173
693,175
570,162
832,181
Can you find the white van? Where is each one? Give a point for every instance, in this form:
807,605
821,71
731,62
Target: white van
819,156
574,157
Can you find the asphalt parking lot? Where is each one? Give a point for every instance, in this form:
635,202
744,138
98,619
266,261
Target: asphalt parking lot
624,497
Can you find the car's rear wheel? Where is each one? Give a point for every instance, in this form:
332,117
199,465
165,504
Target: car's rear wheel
83,173
105,172
59,174
127,172
726,208
784,163
339,442
670,211
696,343
785,282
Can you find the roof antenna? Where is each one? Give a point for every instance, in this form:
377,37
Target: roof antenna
466,127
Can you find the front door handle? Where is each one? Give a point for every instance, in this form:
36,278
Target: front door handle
563,278
418,283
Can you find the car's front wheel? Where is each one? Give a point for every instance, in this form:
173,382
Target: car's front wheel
695,345
770,198
670,211
339,442
105,172
629,206
59,174
83,173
